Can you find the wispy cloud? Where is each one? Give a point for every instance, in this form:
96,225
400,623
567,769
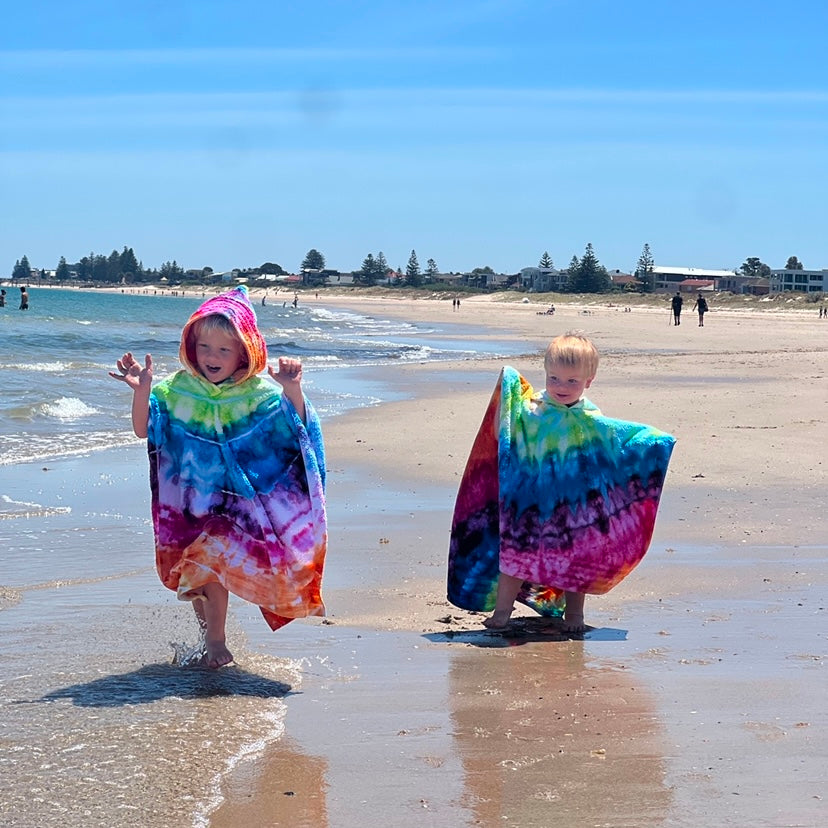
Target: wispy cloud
91,58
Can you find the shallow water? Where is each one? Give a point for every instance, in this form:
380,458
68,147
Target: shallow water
58,399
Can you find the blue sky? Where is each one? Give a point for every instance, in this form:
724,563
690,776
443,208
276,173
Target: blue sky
476,132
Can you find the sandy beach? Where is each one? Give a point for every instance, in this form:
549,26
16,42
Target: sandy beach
696,700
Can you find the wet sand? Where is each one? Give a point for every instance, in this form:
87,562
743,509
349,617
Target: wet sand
696,700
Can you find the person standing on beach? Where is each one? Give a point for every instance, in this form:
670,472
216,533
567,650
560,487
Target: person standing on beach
676,304
24,299
237,473
556,500
701,304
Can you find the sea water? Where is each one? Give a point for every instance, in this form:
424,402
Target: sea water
59,400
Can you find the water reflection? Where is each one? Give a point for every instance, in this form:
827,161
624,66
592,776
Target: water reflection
547,734
284,787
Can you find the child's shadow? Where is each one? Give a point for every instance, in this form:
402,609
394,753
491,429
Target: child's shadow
158,681
524,631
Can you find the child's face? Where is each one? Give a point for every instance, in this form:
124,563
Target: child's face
566,383
218,354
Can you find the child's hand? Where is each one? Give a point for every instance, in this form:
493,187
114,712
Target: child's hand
131,372
289,375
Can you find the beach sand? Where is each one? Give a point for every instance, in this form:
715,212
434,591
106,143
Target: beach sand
697,699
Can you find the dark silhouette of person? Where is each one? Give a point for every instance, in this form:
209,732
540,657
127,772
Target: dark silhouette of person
676,304
701,305
3,301
24,299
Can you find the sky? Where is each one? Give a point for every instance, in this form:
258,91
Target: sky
474,132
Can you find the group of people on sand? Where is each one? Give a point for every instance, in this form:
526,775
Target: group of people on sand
699,305
557,500
24,299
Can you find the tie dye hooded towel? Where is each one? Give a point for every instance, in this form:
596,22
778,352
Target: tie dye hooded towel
237,480
559,496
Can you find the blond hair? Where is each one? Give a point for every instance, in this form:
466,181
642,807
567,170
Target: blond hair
572,349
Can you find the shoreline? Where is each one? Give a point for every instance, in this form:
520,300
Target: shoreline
794,303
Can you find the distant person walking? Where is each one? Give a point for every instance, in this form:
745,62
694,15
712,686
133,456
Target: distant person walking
676,304
701,305
24,299
3,302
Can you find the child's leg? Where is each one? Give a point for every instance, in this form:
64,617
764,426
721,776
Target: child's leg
573,620
508,587
211,611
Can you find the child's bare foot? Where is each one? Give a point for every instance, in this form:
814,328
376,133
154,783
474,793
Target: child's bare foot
573,618
498,620
217,655
574,623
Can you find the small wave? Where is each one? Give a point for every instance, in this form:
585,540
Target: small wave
20,508
68,408
40,367
39,447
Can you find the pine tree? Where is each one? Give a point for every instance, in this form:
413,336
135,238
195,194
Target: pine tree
113,267
545,260
22,271
644,270
313,260
431,269
129,264
62,271
572,273
413,277
588,275
367,274
382,266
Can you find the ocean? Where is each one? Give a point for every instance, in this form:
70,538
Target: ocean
58,399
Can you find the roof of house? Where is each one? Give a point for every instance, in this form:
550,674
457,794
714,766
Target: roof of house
692,272
696,283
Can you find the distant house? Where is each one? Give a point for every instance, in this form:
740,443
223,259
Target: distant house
448,279
623,281
804,281
740,284
543,279
756,287
227,275
668,279
696,285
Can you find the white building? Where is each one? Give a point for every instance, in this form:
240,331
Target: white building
543,279
804,281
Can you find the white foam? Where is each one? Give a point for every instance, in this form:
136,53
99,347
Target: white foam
20,508
41,367
273,723
68,408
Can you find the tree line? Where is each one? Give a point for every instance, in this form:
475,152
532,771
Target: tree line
583,275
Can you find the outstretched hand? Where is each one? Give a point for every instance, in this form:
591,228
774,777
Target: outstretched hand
131,372
289,376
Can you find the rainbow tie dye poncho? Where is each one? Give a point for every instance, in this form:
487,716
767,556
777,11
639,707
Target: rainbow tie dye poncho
561,497
237,481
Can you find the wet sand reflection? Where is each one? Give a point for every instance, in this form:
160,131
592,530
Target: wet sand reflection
548,734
